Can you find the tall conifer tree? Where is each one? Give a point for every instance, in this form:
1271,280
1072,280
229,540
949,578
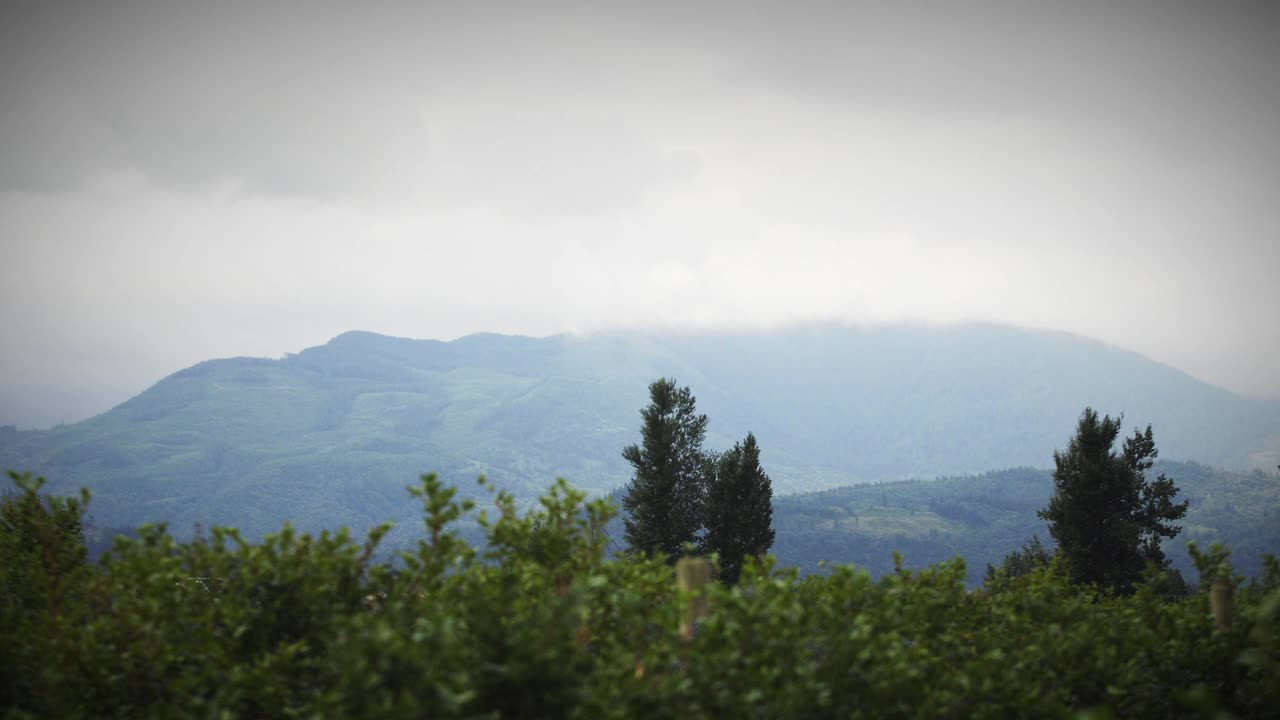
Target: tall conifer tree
739,512
1106,517
664,499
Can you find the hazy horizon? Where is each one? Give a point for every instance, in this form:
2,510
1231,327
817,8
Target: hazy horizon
181,181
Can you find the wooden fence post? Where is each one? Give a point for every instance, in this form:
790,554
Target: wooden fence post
1220,597
594,532
693,575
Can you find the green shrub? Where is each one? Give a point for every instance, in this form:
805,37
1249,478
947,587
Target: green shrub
539,622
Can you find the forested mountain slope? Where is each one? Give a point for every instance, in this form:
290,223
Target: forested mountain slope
983,517
333,434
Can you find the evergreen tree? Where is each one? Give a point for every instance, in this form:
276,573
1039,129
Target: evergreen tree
1033,555
1106,517
664,500
739,509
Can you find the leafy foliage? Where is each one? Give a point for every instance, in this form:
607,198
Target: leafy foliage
540,623
1031,557
42,565
43,541
1107,519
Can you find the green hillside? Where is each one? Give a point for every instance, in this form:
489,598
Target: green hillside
983,517
331,435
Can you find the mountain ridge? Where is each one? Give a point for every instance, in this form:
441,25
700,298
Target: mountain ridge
331,434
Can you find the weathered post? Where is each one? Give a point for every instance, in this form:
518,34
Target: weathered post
597,533
1220,598
692,576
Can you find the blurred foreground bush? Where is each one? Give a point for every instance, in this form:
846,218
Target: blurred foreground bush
539,623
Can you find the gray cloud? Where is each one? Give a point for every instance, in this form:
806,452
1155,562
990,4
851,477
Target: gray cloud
181,180
406,102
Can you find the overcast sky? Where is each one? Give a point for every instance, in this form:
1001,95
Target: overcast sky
180,181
